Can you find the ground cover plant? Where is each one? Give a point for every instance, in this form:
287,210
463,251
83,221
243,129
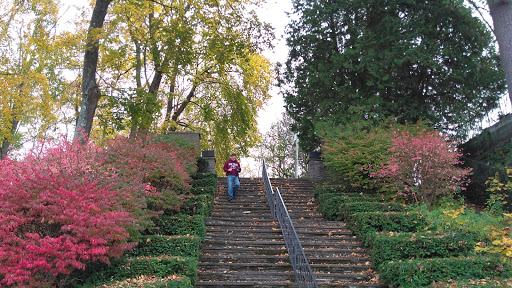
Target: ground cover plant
67,207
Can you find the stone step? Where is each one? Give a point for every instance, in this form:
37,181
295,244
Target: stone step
244,246
310,252
283,266
230,257
238,230
261,277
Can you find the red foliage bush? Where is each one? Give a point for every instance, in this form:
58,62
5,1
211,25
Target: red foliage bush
55,216
69,204
162,168
423,167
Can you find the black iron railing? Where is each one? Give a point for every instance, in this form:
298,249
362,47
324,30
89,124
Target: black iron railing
269,191
303,274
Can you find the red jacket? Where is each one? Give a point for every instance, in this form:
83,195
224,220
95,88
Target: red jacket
234,165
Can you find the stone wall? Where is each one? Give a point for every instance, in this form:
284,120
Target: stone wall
192,137
487,153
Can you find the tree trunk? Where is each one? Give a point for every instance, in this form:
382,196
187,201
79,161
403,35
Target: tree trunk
90,90
184,104
6,143
170,103
501,13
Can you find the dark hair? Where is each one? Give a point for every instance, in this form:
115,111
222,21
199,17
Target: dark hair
234,154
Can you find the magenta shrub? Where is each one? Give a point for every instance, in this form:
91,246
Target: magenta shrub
55,216
67,204
423,167
162,168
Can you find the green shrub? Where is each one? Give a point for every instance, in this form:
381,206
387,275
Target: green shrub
388,246
210,190
155,245
202,164
204,175
423,272
470,283
365,224
357,150
346,197
328,204
329,189
459,218
198,205
206,181
334,210
176,140
126,268
167,201
174,281
181,225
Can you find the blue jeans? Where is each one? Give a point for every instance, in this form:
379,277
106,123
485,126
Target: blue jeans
233,185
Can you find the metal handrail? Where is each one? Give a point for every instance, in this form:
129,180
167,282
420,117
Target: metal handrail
269,191
303,274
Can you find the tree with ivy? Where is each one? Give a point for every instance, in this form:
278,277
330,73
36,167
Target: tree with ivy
367,60
501,13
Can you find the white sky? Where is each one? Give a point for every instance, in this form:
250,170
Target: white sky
274,12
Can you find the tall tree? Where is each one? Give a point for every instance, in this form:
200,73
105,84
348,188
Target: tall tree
91,92
352,60
278,149
30,59
186,65
501,13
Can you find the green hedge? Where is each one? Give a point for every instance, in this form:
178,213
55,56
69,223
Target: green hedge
205,181
388,246
365,224
127,268
423,272
204,175
199,190
328,203
155,245
198,205
341,210
350,197
329,189
470,283
181,225
150,282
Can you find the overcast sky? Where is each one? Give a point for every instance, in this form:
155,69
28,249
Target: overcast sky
274,12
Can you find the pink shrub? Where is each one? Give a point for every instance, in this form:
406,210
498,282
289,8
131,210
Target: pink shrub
159,166
423,167
68,204
55,216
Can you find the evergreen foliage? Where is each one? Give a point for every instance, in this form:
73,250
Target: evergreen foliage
367,60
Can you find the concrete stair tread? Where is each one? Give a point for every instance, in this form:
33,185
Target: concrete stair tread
244,245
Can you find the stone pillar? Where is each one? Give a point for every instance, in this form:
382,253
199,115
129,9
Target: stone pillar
208,157
316,167
192,137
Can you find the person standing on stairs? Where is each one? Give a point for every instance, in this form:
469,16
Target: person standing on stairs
232,168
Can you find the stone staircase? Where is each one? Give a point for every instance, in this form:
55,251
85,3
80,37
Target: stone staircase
244,247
